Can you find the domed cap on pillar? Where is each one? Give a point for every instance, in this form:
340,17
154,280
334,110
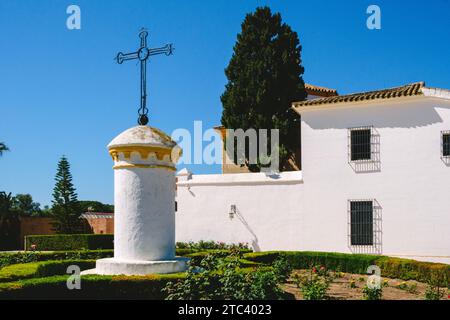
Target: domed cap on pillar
144,147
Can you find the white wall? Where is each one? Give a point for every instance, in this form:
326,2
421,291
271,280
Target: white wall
268,207
412,185
308,210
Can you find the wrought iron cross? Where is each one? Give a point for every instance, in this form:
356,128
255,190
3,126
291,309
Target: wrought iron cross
143,54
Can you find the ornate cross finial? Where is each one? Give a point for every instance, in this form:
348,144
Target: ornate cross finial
143,54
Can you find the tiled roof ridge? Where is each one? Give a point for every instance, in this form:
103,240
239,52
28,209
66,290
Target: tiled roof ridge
313,87
412,89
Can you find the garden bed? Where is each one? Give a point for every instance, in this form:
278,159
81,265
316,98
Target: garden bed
350,287
42,275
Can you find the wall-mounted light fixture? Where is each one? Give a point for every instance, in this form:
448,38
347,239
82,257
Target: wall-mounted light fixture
232,212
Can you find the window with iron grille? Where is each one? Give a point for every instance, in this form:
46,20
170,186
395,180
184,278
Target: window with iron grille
360,144
361,223
446,143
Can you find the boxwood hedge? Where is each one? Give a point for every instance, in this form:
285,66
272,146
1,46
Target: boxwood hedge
34,256
47,279
92,287
358,263
41,269
58,242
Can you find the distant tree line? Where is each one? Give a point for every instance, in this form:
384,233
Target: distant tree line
23,205
65,210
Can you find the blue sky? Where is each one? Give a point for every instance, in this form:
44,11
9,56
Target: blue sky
62,93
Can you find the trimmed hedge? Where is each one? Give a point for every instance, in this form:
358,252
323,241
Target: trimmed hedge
33,256
41,269
60,242
95,287
358,263
47,279
212,245
7,259
92,287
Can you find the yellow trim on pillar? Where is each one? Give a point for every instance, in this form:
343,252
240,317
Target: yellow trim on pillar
144,151
146,166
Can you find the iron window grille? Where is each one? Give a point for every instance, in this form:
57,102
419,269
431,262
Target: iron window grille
364,149
445,144
364,226
360,144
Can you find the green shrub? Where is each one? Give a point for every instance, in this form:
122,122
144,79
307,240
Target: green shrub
92,287
222,277
314,284
41,269
434,292
372,293
358,263
282,268
70,242
212,245
34,256
314,289
414,270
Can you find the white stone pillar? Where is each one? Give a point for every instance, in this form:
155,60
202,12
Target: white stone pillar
144,204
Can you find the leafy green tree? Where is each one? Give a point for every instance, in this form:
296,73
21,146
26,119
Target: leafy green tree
95,206
9,222
65,209
24,205
264,78
46,212
7,205
3,148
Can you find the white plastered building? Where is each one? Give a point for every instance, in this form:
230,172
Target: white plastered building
375,178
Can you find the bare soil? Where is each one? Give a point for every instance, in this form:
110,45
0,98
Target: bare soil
349,287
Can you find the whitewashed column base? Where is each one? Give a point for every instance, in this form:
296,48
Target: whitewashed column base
112,266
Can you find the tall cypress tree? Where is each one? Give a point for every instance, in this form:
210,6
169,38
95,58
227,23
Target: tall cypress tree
264,78
66,209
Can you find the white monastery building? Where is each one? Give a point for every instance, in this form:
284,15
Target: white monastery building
374,178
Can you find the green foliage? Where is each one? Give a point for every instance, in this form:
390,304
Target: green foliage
409,287
92,287
25,206
7,259
60,242
212,245
282,268
66,210
18,205
373,293
7,205
33,256
414,270
353,263
9,222
314,285
95,206
434,290
358,263
264,78
223,278
41,269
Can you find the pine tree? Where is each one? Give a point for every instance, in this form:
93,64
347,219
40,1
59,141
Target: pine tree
264,78
65,210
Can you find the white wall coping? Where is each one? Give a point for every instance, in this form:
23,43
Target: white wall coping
436,93
233,179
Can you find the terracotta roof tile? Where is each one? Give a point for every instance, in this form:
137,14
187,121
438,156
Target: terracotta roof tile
413,89
320,91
